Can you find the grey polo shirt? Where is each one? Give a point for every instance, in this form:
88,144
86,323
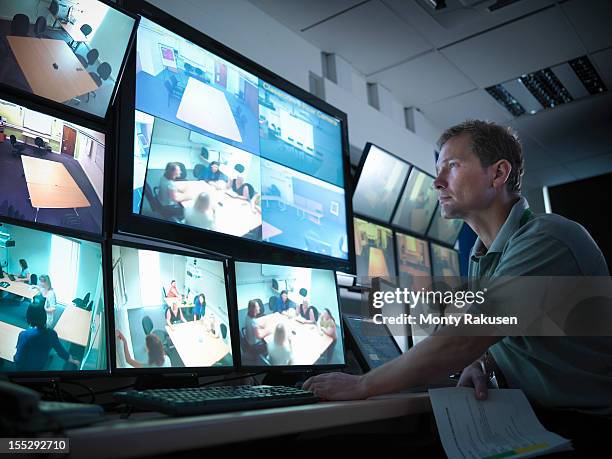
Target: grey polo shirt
555,372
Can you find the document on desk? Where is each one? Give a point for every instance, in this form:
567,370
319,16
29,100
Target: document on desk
503,426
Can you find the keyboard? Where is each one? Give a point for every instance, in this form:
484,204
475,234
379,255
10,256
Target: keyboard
188,401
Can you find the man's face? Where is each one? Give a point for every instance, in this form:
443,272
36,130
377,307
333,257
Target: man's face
214,168
463,185
284,297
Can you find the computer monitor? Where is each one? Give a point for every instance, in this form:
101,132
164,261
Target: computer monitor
170,311
413,262
443,229
379,183
372,343
52,170
374,251
445,261
394,312
53,319
224,148
417,204
69,53
288,317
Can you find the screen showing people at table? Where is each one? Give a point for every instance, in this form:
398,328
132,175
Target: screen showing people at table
299,136
170,310
444,229
413,261
445,261
288,316
217,148
379,184
52,170
374,250
52,303
199,181
417,204
64,51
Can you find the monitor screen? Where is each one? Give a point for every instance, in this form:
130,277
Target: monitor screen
65,51
445,261
374,250
444,229
216,148
379,184
170,310
374,342
417,204
413,262
394,312
52,303
52,170
288,316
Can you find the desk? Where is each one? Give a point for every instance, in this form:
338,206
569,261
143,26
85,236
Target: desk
147,434
51,186
195,345
308,343
8,340
36,57
18,288
73,325
232,215
207,108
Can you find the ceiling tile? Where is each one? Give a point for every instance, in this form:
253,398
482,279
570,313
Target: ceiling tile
475,104
537,41
370,37
603,64
423,80
298,14
592,20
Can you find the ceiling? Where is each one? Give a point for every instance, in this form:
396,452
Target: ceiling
440,62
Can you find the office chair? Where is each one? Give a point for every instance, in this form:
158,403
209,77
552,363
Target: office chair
174,213
40,27
86,30
198,170
223,329
92,56
54,10
40,144
303,292
188,67
102,73
239,168
147,325
33,279
199,73
20,25
17,147
272,303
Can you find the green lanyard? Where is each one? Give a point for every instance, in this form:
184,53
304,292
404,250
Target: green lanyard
525,217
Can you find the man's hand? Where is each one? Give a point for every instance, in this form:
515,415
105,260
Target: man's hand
337,386
473,376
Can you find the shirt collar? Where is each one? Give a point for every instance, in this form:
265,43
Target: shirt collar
509,227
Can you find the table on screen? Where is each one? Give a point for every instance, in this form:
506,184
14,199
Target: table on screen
9,334
18,288
196,346
73,325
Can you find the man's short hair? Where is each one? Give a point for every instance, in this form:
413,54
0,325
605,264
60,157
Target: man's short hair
492,142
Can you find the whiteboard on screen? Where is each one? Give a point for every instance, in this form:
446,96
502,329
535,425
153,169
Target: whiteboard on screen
37,122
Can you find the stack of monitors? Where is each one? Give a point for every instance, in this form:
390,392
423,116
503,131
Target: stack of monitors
230,157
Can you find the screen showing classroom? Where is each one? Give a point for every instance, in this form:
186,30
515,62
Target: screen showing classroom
288,316
218,149
380,184
445,262
444,229
374,251
52,303
64,51
413,262
417,204
170,310
52,171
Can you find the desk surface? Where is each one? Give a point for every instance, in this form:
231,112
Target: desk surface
146,434
8,340
50,185
74,30
73,325
207,108
36,57
195,345
18,288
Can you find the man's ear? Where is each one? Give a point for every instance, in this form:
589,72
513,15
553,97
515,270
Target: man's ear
501,171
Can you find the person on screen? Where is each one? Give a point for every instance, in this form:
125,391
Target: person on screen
284,304
174,315
213,174
157,357
46,290
35,343
24,274
173,291
280,351
243,189
202,214
199,306
255,332
170,194
327,324
309,314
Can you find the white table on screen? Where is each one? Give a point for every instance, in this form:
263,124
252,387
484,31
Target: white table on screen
196,346
8,340
207,108
73,325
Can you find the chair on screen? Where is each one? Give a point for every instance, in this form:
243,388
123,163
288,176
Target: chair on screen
17,147
168,212
41,146
20,25
90,59
54,10
40,27
100,76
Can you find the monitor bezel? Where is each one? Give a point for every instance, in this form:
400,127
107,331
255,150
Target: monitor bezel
282,368
130,223
109,161
33,98
78,374
199,371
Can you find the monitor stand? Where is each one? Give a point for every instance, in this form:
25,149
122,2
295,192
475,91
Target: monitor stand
286,378
166,381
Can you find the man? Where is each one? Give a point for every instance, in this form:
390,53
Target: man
283,303
212,173
479,173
